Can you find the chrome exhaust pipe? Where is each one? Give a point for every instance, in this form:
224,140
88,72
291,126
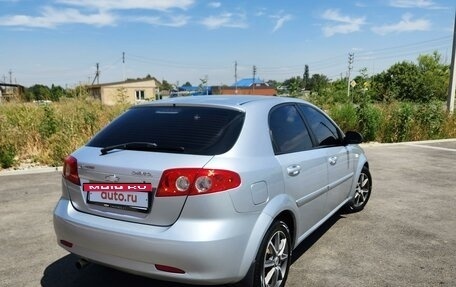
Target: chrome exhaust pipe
81,263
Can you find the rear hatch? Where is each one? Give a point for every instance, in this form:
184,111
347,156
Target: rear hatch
133,152
129,167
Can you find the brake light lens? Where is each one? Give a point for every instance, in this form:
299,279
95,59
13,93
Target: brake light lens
195,181
70,170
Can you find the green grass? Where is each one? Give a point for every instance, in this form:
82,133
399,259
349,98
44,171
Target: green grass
46,134
397,121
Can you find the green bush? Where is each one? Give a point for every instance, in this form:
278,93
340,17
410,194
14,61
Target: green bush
7,155
370,121
398,122
48,125
430,118
346,116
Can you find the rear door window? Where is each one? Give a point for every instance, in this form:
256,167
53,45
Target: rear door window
198,130
288,132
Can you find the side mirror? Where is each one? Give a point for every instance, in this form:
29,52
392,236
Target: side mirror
353,138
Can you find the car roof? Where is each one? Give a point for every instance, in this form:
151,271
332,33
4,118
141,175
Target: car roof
236,101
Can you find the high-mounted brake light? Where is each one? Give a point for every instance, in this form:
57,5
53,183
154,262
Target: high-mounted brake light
194,181
70,170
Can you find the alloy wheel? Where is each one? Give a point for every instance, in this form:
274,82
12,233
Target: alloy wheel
362,190
276,260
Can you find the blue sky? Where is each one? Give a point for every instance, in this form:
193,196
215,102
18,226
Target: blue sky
60,41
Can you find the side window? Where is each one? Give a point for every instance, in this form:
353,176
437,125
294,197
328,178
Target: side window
288,131
325,131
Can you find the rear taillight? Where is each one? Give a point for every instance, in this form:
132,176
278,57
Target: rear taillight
194,181
70,170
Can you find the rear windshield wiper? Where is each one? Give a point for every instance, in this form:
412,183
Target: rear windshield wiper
140,146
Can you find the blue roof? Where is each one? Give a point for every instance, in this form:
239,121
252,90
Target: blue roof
247,82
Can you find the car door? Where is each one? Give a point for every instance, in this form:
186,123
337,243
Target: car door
304,168
328,138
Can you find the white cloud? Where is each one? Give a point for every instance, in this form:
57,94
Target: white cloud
98,13
260,12
173,21
228,20
361,4
130,4
412,3
407,24
343,24
214,4
51,17
280,20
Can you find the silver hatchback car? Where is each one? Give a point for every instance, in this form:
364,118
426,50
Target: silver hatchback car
209,190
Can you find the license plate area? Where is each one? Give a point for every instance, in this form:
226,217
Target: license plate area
125,196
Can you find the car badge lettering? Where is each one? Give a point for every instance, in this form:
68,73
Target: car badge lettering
141,173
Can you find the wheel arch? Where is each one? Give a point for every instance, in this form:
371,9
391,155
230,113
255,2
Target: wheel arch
290,220
281,207
361,164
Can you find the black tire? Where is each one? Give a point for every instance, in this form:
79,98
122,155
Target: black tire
363,191
274,257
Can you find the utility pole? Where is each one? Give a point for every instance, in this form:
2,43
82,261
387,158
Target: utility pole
123,65
351,57
10,76
452,86
253,81
235,78
97,75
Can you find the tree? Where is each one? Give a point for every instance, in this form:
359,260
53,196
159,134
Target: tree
399,82
406,81
305,79
293,86
317,83
273,83
57,92
165,86
434,77
38,93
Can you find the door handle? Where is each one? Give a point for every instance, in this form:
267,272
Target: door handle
332,160
294,170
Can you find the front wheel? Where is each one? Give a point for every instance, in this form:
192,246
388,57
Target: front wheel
274,257
362,191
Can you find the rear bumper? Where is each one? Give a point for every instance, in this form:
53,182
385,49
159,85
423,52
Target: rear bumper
209,251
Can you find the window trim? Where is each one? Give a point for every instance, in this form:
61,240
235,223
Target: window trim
140,95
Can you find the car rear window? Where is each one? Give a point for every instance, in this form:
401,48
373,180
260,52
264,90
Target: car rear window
197,130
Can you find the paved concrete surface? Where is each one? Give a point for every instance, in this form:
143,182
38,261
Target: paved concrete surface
406,236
